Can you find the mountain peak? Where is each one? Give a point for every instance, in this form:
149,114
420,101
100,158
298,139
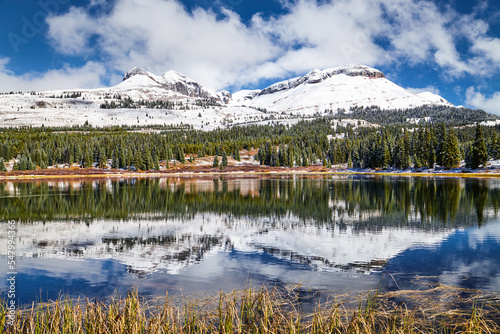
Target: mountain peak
336,88
355,71
135,71
174,76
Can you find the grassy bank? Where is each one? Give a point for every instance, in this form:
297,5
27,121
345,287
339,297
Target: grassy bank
233,171
265,311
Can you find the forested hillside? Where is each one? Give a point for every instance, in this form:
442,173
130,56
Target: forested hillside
449,115
302,144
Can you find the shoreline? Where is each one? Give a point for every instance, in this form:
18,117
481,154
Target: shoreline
235,171
266,310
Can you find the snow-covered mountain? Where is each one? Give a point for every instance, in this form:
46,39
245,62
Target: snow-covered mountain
336,88
170,84
143,98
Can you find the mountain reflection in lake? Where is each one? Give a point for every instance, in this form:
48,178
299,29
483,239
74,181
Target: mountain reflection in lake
208,234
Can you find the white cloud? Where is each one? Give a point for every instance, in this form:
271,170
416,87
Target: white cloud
87,76
219,50
479,100
430,89
316,35
160,35
72,31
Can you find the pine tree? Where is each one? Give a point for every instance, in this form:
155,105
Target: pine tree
237,154
478,152
216,162
121,158
451,151
182,156
130,158
116,161
289,155
267,154
147,159
137,160
102,158
156,163
6,152
305,161
356,161
224,159
441,142
2,166
385,156
496,148
87,160
23,163
431,156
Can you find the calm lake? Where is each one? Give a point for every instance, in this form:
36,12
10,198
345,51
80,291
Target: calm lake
97,238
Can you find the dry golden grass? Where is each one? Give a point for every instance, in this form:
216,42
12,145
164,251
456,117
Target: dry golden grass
264,311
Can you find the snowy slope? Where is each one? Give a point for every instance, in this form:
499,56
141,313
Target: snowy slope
336,88
170,84
204,108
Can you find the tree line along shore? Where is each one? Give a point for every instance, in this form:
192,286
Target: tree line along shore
320,142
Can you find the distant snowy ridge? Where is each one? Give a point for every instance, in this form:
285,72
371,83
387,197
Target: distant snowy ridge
330,89
336,88
317,76
144,99
138,78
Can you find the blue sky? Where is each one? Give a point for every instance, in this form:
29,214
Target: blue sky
449,47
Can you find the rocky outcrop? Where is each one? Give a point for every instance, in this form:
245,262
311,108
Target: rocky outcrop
317,76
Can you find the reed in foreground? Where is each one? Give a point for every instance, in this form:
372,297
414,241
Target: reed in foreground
250,311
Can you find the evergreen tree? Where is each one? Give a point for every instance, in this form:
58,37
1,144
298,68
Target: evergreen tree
147,159
401,158
31,165
385,156
350,164
431,156
182,156
441,142
451,151
130,158
305,161
290,156
6,152
237,154
87,160
116,161
494,149
216,162
478,152
2,166
22,164
267,154
138,161
356,161
224,159
156,163
121,158
102,158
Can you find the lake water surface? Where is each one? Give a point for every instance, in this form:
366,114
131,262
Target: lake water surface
97,238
